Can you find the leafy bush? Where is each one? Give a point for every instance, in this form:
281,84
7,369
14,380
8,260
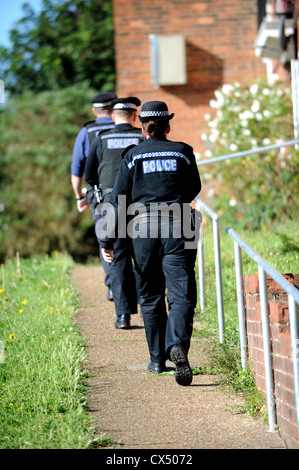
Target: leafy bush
259,188
37,207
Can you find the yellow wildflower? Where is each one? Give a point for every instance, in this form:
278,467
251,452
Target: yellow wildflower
11,336
24,302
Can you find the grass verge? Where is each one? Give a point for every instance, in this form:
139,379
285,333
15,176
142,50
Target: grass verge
276,245
42,363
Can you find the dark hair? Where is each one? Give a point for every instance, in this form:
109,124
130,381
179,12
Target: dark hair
156,129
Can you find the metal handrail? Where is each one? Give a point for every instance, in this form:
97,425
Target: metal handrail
293,299
218,270
245,153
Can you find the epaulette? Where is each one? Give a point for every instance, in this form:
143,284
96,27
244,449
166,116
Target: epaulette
88,122
123,154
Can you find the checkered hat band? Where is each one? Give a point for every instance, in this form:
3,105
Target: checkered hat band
125,106
154,113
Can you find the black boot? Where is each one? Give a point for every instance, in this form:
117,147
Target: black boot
122,322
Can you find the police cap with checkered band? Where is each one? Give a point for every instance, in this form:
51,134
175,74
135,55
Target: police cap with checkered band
129,103
152,110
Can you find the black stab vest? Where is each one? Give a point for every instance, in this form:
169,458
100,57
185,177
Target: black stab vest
113,144
95,128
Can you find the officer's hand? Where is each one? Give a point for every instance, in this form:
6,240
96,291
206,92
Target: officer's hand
108,255
82,204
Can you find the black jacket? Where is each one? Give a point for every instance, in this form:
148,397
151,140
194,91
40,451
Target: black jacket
104,157
156,171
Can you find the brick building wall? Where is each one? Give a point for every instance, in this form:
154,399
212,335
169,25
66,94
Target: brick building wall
281,351
219,36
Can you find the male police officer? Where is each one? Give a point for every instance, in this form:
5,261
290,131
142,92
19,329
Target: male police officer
101,107
102,167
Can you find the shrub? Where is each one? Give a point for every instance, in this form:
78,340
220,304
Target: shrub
37,207
262,187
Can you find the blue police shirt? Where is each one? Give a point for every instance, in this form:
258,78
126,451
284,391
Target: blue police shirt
81,148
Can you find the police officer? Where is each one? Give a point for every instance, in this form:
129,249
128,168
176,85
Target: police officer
101,107
102,167
161,173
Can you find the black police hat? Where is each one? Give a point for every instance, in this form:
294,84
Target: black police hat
154,110
130,102
103,100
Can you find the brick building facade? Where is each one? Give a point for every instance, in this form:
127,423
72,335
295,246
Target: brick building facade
219,44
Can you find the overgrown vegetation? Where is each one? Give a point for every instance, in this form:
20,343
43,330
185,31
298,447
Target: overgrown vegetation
280,248
42,363
37,207
261,188
57,61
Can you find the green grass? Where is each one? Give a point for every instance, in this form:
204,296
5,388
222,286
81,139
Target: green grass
279,246
42,375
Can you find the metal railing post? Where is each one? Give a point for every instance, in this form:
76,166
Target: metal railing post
267,351
201,268
217,256
293,294
294,329
241,309
219,290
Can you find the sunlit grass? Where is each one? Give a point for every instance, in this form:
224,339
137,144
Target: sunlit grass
42,374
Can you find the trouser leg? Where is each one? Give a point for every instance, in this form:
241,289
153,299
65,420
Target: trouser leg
106,266
151,283
123,279
181,295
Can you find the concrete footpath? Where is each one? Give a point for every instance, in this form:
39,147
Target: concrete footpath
139,410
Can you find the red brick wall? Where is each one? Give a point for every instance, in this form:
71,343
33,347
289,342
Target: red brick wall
281,351
219,38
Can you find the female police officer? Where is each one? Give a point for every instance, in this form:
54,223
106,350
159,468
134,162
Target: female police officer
155,176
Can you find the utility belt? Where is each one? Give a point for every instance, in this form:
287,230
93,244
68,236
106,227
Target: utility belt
95,195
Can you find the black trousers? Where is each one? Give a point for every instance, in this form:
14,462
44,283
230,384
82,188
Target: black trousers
121,271
165,263
106,266
122,277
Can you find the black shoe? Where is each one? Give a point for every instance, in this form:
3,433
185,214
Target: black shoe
109,294
156,367
183,372
122,322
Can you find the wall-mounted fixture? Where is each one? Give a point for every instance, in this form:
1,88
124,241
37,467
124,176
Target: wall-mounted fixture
274,40
277,34
168,60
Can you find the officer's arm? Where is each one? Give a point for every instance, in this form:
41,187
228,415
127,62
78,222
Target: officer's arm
91,168
192,178
77,170
77,184
118,202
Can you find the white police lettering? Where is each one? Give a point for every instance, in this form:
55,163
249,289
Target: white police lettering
144,156
155,166
121,143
